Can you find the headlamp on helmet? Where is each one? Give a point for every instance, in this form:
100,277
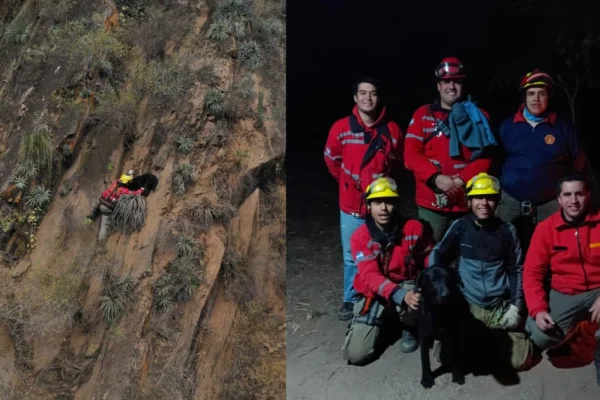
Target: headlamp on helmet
450,68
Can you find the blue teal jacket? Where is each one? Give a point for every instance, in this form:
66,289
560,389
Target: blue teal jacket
536,158
489,261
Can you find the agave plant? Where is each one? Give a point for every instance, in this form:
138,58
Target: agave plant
39,197
250,54
219,30
116,294
214,103
184,143
20,182
187,247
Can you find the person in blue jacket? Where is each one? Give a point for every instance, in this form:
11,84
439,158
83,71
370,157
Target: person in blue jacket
538,149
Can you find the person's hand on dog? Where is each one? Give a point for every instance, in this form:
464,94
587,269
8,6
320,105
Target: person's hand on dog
412,299
595,310
544,321
511,318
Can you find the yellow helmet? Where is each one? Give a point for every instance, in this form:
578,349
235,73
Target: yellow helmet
125,179
382,187
483,184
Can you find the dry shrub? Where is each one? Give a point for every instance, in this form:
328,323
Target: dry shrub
258,367
159,26
129,214
206,214
66,225
236,277
45,308
167,382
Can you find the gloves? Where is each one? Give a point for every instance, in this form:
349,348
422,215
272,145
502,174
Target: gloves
398,296
511,318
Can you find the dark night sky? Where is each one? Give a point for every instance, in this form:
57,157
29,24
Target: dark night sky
330,42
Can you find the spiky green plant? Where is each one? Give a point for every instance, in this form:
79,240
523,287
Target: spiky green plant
184,143
38,197
27,169
115,296
186,246
20,182
214,102
250,54
129,214
219,30
178,284
182,175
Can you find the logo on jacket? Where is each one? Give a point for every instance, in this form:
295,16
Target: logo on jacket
549,139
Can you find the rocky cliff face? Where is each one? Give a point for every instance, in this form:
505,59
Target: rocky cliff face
191,306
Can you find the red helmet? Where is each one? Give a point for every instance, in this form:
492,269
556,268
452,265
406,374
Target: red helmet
450,68
536,78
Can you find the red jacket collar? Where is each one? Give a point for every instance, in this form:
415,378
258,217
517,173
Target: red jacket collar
559,222
551,118
379,120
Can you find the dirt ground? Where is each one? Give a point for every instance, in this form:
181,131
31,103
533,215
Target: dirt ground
315,368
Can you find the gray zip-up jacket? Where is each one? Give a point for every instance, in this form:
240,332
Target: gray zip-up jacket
489,260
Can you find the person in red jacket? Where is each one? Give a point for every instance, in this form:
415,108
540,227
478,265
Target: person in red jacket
567,244
440,178
108,200
360,148
389,253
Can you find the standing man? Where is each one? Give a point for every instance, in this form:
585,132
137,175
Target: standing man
361,147
567,244
441,176
538,149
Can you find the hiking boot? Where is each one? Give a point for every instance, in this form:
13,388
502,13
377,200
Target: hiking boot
597,358
409,342
346,311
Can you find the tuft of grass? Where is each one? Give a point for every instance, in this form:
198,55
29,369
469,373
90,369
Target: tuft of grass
129,214
250,54
17,33
39,197
36,152
182,176
185,144
115,296
206,214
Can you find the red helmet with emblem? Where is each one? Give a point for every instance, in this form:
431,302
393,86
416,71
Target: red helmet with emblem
536,78
450,68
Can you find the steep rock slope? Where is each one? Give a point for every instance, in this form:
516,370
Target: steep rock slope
191,306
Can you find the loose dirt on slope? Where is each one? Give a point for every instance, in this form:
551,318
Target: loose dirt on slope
315,368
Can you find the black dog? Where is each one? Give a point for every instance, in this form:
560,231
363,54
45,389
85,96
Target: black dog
442,309
147,181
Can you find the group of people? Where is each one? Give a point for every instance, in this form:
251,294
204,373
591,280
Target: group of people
527,242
